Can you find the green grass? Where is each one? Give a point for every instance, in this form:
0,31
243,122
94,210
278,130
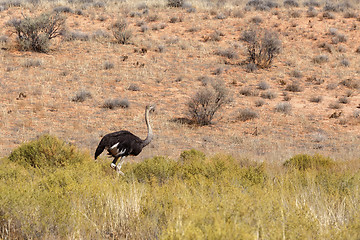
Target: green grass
51,190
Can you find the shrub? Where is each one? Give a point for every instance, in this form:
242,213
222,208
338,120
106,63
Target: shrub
32,63
263,85
291,3
259,102
46,151
293,87
35,33
269,94
159,168
321,59
230,53
63,9
108,65
247,91
206,102
344,100
315,99
175,3
116,103
283,107
77,35
81,96
304,162
262,46
345,62
247,114
133,87
120,32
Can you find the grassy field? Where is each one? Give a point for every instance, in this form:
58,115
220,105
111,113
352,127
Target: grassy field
51,190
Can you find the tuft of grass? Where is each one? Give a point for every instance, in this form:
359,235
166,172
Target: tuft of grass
320,59
247,91
108,65
230,53
268,94
263,85
259,102
247,114
81,96
293,87
175,3
316,99
116,103
77,36
32,63
283,107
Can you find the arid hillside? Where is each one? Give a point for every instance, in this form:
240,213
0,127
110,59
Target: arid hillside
88,83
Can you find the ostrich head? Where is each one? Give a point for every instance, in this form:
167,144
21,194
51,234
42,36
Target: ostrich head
150,107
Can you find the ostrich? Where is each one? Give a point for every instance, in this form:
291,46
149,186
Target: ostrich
123,143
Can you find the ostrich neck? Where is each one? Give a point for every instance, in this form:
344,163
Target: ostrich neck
150,132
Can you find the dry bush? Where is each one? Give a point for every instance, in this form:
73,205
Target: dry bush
207,101
293,87
116,103
81,96
315,99
247,114
269,94
35,33
262,46
121,32
283,107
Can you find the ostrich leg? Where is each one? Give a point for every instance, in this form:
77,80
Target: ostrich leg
118,167
113,164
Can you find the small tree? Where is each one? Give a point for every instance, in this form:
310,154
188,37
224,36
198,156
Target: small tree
206,102
262,46
35,33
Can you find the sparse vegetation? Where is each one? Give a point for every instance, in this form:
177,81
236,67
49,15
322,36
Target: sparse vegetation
174,52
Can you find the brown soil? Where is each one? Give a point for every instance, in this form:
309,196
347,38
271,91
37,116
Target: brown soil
38,100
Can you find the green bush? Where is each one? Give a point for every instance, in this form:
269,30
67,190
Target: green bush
35,33
46,151
159,168
304,162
